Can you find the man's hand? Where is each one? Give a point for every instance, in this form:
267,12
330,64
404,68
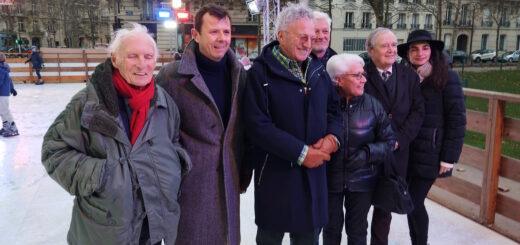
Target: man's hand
315,158
326,144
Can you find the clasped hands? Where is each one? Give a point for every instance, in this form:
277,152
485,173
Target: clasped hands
320,151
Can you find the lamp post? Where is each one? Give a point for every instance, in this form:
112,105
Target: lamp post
172,26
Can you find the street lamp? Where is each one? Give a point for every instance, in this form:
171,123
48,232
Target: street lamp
172,26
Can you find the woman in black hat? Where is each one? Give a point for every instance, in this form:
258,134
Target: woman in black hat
439,142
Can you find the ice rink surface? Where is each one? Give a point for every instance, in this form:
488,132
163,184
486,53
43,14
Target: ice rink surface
36,210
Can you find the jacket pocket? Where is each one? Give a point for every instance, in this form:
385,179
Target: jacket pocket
167,171
94,213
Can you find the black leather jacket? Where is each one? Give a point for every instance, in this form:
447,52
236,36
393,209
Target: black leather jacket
367,140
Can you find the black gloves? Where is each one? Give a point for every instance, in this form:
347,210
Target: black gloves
13,92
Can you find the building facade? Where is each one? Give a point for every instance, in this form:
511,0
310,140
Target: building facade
89,23
466,24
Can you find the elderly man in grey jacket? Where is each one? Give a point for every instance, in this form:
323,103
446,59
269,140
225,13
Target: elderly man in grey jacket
206,84
116,148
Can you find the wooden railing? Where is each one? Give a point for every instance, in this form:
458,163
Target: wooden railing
66,65
474,188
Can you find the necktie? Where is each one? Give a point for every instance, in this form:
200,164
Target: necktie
386,75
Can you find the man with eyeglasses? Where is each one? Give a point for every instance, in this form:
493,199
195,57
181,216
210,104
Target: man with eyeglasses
367,140
397,89
291,114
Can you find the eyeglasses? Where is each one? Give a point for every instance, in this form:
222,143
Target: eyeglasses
357,76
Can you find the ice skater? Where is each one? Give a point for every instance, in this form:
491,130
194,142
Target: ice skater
37,64
6,88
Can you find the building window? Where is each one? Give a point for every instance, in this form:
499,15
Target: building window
483,42
428,22
21,26
501,42
350,1
366,21
348,20
447,14
354,44
252,17
401,21
416,1
429,2
464,18
403,1
415,21
518,42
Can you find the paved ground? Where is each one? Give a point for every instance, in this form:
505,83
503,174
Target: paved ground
35,210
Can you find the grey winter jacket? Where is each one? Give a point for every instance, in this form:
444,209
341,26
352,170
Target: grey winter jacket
87,151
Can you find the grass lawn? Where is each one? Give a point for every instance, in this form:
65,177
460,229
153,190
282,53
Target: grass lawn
500,81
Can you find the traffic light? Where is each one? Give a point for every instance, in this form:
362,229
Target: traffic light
183,16
18,41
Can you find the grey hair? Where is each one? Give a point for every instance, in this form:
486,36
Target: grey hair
291,13
339,64
370,42
122,34
318,15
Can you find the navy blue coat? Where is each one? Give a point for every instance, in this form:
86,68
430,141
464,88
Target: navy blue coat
442,133
36,60
280,119
5,81
405,111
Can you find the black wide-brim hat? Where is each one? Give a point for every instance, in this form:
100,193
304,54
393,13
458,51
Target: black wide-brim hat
419,36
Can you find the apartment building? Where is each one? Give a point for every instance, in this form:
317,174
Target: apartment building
468,26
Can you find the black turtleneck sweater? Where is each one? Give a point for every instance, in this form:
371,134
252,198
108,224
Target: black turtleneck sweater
218,80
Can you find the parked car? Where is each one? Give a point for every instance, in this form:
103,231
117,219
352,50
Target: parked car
483,55
459,56
511,56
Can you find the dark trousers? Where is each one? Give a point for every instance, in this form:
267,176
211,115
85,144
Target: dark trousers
380,227
418,218
357,205
38,73
267,237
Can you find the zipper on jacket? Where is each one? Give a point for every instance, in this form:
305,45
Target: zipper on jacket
262,169
345,143
434,141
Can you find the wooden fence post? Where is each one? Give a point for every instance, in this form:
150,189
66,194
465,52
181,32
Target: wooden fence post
85,60
488,198
59,67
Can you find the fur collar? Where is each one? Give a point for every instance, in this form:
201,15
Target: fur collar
105,90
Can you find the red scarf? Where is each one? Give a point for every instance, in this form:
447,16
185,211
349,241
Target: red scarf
138,99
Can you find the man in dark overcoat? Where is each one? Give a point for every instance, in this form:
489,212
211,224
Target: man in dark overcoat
397,88
206,84
321,43
292,119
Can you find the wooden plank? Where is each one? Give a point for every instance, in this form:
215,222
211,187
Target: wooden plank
476,121
509,97
508,207
510,168
460,187
511,129
473,156
492,168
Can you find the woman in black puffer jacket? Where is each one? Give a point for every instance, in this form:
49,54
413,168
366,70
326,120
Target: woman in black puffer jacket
367,139
439,142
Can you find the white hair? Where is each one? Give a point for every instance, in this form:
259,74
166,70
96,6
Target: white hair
371,39
318,15
291,13
339,64
119,36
